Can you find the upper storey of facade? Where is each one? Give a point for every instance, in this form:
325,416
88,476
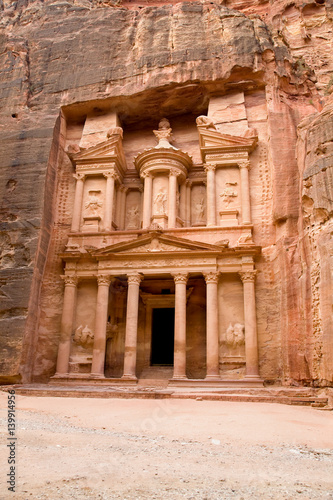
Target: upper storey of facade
191,179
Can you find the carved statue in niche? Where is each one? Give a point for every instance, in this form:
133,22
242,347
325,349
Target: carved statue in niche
160,202
93,204
84,337
199,210
199,206
235,336
229,193
133,217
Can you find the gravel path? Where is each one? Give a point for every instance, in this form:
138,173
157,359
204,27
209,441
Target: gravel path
167,449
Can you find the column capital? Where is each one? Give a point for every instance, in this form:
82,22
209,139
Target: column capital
134,279
180,278
79,177
146,174
211,276
104,279
188,183
174,172
70,280
112,174
248,276
244,164
210,167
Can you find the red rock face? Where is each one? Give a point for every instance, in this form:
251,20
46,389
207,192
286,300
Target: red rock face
60,62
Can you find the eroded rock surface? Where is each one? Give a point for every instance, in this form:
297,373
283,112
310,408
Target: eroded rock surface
62,61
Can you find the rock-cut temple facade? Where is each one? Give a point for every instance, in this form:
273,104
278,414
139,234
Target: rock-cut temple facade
154,253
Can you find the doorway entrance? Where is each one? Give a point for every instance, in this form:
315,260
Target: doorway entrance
162,336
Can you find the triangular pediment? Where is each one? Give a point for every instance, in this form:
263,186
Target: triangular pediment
107,151
156,243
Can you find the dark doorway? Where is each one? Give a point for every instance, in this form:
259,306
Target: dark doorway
162,336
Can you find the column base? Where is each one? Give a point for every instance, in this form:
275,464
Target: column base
129,377
212,377
253,378
60,375
96,375
179,377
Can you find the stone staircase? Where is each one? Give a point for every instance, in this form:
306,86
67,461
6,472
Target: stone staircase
156,389
155,376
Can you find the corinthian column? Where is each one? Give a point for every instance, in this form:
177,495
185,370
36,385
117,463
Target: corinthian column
147,199
182,205
211,195
179,368
119,197
131,334
188,202
98,360
245,191
77,202
212,331
251,340
67,324
172,198
109,194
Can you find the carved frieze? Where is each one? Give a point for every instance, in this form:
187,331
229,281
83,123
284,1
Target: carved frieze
156,246
234,157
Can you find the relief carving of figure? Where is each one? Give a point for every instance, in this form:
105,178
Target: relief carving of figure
160,202
84,336
229,193
235,335
93,204
133,217
199,208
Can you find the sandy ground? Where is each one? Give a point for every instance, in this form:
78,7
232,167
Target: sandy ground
167,449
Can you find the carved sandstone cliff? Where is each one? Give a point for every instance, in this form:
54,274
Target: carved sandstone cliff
64,60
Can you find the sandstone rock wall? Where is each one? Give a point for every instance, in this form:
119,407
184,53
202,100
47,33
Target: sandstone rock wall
82,56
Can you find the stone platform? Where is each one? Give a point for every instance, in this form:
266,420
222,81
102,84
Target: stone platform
157,390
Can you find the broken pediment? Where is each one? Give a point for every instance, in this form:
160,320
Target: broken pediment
212,142
106,152
156,243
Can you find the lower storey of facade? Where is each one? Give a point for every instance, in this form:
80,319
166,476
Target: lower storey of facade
181,326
